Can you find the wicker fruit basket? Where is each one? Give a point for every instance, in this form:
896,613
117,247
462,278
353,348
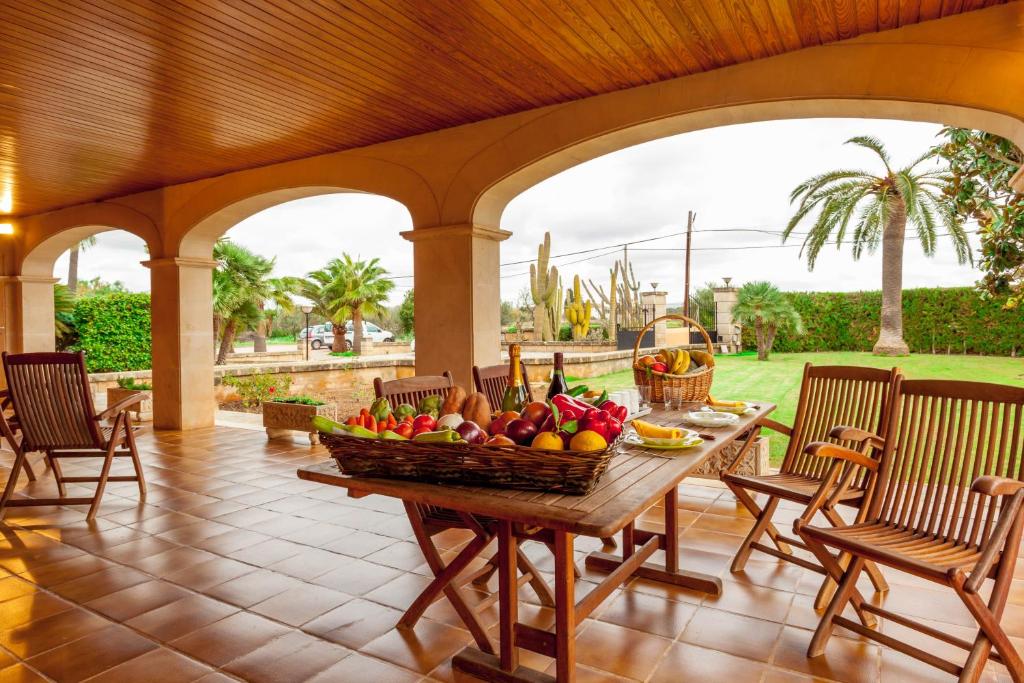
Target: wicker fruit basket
516,467
695,386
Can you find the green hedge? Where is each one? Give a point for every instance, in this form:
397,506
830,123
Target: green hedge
114,331
955,320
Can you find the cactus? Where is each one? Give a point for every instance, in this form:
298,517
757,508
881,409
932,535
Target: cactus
577,311
629,295
605,304
545,289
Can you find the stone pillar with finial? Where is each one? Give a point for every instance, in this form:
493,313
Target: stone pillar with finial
655,305
729,330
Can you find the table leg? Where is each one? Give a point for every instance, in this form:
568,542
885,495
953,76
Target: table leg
669,542
508,595
565,608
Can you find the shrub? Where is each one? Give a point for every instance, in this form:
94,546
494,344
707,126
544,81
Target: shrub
935,320
255,389
301,400
114,331
130,384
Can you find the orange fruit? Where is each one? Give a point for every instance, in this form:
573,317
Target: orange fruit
647,360
548,441
587,440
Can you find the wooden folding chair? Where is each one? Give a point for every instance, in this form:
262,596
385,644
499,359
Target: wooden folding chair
7,412
429,520
944,505
829,396
54,413
491,382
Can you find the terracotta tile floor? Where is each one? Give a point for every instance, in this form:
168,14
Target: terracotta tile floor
235,569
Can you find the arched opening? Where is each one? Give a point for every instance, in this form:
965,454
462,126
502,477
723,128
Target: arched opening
299,243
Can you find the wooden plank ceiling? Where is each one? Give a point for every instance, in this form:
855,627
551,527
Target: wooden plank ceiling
101,98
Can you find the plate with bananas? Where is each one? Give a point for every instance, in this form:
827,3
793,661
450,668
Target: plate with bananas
663,438
734,407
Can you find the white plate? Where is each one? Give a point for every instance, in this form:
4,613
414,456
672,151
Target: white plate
709,418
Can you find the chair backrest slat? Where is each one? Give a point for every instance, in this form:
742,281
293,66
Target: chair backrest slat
412,390
51,399
836,395
942,437
492,380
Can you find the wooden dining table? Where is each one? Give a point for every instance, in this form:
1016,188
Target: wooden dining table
636,479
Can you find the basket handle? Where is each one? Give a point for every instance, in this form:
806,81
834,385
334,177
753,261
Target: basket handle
672,316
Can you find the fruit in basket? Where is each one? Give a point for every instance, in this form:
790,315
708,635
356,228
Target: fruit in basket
656,431
548,441
499,440
595,420
588,440
454,401
521,431
499,423
449,421
536,412
430,405
404,410
380,409
404,429
424,423
443,436
390,435
471,432
659,367
477,409
646,361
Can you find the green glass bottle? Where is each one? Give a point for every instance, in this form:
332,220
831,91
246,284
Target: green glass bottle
515,390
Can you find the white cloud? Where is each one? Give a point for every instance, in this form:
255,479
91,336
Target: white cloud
733,177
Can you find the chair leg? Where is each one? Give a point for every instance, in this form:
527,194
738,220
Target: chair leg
134,451
872,570
990,633
763,521
844,595
28,471
101,485
839,574
12,481
58,475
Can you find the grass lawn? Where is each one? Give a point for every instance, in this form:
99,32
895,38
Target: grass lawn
778,380
288,339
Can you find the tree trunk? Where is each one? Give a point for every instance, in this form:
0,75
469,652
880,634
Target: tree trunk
357,331
259,343
762,353
226,342
73,270
216,331
890,334
339,337
769,338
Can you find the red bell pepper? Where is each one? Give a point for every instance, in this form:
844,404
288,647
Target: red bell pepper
614,428
620,413
567,405
596,421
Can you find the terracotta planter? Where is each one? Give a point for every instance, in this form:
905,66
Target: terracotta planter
143,412
281,419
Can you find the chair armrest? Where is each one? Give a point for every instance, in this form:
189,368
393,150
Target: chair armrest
990,485
120,406
768,423
845,433
1004,525
823,449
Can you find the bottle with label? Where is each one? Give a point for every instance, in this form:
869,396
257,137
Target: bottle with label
515,391
558,383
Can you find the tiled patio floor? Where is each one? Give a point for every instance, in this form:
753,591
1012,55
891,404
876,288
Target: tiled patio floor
235,569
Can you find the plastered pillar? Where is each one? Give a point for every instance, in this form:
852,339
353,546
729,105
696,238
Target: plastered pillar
27,303
656,302
729,331
182,313
458,298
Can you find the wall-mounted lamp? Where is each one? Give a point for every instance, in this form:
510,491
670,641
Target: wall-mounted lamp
6,228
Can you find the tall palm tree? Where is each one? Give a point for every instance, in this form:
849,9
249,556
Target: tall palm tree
325,290
279,291
763,306
368,289
73,262
879,207
241,287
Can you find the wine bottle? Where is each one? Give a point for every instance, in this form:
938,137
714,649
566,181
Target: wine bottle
515,390
558,383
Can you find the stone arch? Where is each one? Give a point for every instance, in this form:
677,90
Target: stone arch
847,79
222,203
47,236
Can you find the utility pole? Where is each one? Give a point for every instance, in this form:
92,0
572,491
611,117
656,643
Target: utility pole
690,216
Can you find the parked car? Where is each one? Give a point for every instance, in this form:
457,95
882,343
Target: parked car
371,331
320,336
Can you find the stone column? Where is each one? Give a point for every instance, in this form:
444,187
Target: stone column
657,300
182,313
727,328
458,298
27,304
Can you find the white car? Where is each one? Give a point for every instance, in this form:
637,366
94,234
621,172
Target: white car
371,331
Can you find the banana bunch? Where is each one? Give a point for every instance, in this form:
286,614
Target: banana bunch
656,431
676,360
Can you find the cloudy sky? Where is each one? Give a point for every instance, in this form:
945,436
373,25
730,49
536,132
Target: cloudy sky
736,177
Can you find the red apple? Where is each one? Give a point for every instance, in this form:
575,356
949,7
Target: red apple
536,412
521,431
659,367
471,432
424,423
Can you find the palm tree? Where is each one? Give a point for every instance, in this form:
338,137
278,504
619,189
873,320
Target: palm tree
325,290
763,306
241,287
368,290
279,291
879,207
73,262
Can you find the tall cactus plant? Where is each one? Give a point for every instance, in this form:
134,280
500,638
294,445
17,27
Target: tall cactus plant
631,311
605,303
577,311
545,290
